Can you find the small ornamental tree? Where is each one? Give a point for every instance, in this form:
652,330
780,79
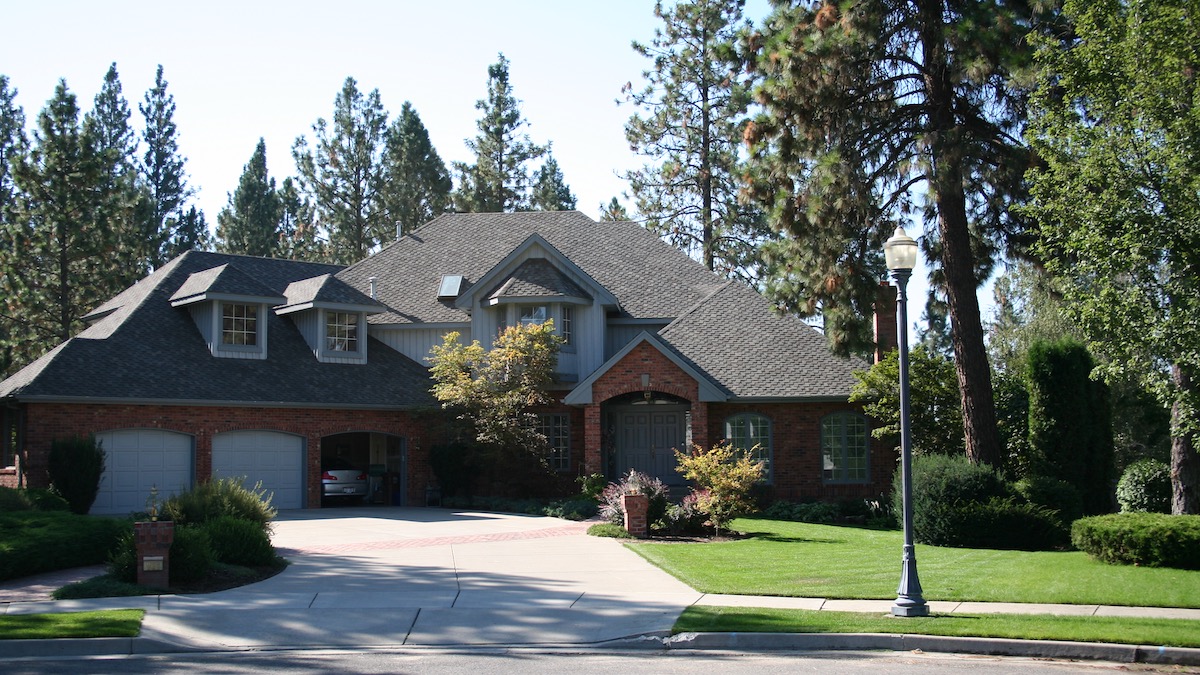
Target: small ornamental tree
75,466
725,476
496,391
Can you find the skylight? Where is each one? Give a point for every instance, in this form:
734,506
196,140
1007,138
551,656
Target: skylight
451,286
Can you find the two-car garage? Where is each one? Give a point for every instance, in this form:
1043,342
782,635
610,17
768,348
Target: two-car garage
138,460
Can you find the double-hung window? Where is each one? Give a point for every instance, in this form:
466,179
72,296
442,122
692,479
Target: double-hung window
341,331
239,324
556,428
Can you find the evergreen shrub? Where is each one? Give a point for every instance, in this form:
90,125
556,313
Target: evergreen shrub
1146,487
75,466
221,497
191,554
1056,495
235,541
1147,539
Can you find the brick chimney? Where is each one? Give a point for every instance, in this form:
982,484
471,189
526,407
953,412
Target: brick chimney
885,320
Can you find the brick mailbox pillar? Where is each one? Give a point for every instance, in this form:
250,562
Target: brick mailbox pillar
636,508
153,542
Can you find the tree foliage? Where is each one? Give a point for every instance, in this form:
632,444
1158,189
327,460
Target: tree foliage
864,105
613,211
416,186
1070,422
498,180
250,222
495,391
1117,126
934,408
725,476
550,191
688,126
341,172
299,237
167,228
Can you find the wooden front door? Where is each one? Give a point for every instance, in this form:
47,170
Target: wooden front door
647,437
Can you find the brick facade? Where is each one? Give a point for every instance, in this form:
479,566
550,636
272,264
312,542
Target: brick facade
49,421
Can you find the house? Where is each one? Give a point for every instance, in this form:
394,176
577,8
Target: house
223,365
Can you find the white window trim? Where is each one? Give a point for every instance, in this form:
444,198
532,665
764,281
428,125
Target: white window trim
327,355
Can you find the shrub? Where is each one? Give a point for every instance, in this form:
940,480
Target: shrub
685,517
122,561
812,512
591,485
1056,495
634,482
12,499
191,554
727,477
221,497
75,467
1005,524
239,542
609,530
1150,539
1146,487
571,509
32,542
940,484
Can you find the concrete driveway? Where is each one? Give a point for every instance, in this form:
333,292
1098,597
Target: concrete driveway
385,576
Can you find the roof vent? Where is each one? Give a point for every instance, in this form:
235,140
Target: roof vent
374,282
451,286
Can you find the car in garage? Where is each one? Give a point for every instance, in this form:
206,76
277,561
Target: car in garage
342,480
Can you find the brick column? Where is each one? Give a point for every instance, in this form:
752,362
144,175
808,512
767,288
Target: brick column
636,508
593,438
153,545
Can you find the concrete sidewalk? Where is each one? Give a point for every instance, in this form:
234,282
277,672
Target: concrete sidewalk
389,577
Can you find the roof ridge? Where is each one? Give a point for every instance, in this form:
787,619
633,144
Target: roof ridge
696,307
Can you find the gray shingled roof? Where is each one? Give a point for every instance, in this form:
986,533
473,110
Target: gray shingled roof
745,346
226,280
145,349
649,278
536,277
326,289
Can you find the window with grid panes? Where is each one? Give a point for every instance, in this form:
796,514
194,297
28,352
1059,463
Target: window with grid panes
751,433
844,448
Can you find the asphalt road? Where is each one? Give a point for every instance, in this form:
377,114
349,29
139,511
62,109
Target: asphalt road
537,662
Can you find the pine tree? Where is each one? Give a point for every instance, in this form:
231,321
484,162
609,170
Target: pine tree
108,126
299,238
249,223
614,211
12,149
416,183
864,104
498,180
59,266
550,191
341,173
163,178
191,234
688,127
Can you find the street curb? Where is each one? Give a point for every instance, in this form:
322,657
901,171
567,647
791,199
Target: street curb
68,647
1100,651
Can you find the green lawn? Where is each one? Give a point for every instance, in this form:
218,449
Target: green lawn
110,623
806,560
1165,632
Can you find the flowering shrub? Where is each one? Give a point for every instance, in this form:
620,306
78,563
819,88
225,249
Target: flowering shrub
686,517
634,483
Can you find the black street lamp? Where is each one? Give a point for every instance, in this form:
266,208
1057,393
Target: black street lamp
901,254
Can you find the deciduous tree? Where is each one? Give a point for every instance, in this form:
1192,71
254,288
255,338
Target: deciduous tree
1117,125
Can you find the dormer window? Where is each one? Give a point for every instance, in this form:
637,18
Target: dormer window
239,324
341,332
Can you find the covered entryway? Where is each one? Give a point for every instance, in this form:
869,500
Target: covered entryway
275,459
138,460
645,437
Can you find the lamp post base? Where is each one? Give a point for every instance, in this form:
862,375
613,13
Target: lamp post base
907,607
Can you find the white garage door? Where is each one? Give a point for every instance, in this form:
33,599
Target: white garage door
137,460
275,459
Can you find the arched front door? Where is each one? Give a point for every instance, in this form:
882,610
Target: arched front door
645,437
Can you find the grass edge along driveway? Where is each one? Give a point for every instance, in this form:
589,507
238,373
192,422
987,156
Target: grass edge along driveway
824,561
104,623
1117,630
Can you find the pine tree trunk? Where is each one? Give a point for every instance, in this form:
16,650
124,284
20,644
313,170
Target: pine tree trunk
958,264
1185,462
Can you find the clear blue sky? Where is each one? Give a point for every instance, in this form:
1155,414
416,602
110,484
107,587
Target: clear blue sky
244,70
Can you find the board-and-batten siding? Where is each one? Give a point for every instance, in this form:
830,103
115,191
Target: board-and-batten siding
415,343
619,335
208,321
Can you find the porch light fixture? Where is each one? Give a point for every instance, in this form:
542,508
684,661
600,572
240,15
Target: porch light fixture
646,386
901,254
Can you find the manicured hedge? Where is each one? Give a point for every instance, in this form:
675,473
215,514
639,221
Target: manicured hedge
1148,539
32,542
